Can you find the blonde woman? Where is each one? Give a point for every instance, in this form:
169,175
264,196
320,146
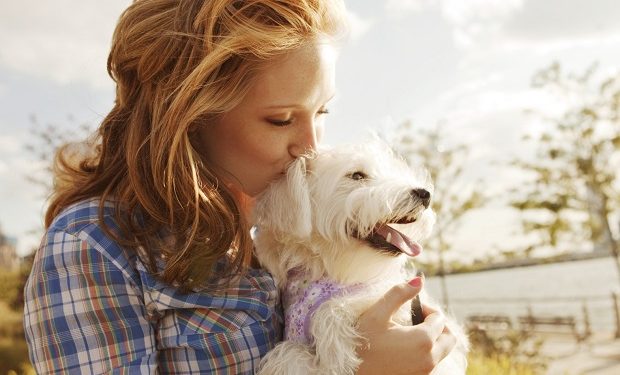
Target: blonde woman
146,265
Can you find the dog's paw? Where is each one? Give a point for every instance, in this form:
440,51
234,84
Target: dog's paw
288,358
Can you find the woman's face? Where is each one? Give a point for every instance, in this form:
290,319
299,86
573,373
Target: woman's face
280,118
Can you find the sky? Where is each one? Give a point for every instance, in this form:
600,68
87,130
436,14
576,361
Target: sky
464,63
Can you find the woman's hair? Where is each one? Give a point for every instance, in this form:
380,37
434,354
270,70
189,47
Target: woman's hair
177,65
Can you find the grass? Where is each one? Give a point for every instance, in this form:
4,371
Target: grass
511,352
13,349
479,364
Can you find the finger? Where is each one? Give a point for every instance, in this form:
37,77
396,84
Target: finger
434,323
430,309
443,346
393,299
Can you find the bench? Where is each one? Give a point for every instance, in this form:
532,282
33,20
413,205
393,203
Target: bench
490,322
551,325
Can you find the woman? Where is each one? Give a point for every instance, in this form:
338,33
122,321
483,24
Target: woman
146,265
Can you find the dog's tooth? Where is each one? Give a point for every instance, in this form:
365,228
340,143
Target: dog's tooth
388,237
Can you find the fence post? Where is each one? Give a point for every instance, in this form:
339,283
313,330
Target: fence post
587,329
616,308
530,319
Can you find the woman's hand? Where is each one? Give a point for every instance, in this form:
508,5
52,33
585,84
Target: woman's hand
390,348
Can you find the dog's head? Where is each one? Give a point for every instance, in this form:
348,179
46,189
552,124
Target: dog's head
347,195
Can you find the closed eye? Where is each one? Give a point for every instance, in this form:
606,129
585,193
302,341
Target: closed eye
289,121
280,122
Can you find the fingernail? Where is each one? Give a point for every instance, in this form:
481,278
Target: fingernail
416,282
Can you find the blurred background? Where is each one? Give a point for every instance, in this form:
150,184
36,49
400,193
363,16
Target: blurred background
512,106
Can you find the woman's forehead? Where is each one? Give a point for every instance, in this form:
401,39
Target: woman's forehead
303,75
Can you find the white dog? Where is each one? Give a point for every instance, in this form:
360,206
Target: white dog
323,233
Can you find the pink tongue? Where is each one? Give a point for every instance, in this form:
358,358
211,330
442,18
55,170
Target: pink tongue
404,243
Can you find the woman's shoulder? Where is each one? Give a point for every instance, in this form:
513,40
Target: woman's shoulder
84,220
78,231
80,215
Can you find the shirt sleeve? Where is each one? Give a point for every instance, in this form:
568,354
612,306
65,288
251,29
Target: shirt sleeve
83,313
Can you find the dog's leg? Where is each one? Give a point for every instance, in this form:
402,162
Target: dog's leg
336,339
288,357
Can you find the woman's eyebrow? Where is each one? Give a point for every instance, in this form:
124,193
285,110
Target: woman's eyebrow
293,105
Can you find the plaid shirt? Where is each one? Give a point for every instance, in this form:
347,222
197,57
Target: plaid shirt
91,307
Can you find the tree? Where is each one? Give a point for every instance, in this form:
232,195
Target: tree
573,189
45,142
452,197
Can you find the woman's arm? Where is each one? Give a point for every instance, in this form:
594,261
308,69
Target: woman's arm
83,312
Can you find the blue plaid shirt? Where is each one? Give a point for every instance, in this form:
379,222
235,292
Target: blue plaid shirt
91,307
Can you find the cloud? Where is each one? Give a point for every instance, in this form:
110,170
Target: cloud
400,7
472,101
491,118
358,26
496,32
540,27
478,21
487,102
473,21
564,19
64,41
9,144
553,45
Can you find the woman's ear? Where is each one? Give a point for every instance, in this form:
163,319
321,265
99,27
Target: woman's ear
285,206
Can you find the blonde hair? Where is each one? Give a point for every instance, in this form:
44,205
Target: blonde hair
178,65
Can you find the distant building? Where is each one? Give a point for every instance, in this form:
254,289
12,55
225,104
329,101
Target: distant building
8,254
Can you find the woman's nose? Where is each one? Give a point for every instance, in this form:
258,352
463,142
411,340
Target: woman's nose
306,139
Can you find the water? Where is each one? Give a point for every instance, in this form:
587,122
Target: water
550,289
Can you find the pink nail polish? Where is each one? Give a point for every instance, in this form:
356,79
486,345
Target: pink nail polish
416,282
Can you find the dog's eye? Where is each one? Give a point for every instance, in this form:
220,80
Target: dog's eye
358,176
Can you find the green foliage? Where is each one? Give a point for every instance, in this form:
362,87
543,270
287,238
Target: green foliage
13,283
13,348
573,189
14,358
9,293
513,353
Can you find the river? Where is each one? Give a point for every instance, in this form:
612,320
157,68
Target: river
549,289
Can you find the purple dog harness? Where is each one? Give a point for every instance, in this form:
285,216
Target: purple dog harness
303,297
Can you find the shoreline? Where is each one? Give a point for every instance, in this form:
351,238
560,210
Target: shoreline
527,262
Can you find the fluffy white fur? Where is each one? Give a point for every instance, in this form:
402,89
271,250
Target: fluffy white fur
313,219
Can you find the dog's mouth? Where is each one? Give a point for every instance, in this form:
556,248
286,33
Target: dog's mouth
386,238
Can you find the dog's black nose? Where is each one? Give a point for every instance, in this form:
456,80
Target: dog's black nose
423,195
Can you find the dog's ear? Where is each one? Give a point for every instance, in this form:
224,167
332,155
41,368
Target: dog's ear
285,206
